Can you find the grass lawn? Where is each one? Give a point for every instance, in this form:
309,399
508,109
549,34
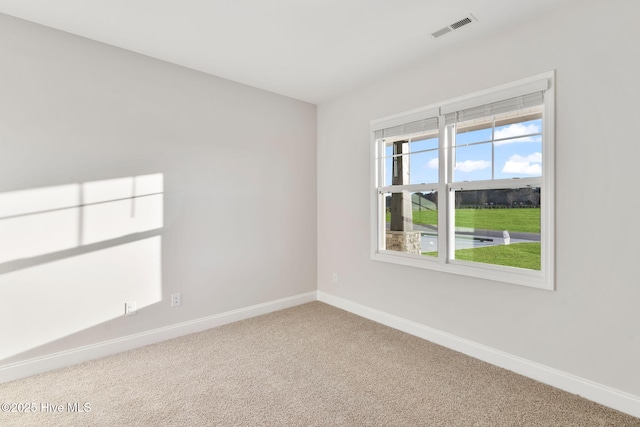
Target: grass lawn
523,255
519,219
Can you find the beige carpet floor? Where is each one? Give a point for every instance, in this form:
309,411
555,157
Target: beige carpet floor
311,365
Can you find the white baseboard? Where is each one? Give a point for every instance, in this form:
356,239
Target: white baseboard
63,359
599,393
607,396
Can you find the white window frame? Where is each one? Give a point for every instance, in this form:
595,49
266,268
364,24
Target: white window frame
544,278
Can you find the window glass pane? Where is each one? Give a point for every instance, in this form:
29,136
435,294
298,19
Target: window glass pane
498,226
388,164
424,161
518,131
472,163
473,131
414,162
521,159
411,222
428,143
424,168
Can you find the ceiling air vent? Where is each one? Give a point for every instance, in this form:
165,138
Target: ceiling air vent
461,23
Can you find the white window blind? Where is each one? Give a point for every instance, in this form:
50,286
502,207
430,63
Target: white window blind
418,126
504,106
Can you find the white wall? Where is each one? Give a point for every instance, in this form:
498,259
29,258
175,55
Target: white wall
589,326
234,225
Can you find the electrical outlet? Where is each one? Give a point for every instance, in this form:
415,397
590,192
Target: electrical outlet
334,278
130,308
176,299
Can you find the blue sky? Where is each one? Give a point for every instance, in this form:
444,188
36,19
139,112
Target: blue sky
516,155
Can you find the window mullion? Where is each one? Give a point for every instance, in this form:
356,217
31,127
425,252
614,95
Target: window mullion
445,174
493,147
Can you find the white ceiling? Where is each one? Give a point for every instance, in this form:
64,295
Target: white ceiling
311,50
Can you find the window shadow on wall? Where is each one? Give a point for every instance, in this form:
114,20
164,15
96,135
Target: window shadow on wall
72,255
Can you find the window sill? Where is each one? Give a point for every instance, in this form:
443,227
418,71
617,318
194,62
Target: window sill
511,275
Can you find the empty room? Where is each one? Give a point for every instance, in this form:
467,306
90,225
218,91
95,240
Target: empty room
319,212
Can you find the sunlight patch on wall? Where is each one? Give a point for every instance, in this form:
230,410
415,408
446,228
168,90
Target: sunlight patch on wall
54,300
40,221
72,255
120,207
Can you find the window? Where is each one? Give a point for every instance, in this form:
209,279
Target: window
466,185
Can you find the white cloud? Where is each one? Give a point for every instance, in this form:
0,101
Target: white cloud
529,165
472,165
515,130
433,163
